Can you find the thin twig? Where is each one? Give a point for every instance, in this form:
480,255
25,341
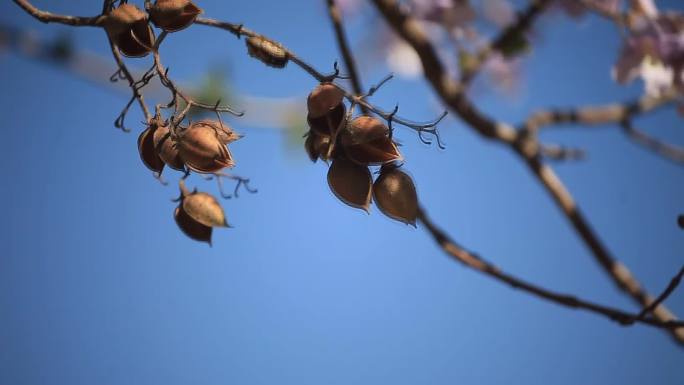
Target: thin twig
663,296
343,45
47,17
668,151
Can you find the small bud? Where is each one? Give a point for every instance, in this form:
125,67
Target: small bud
128,28
205,209
323,99
167,148
267,51
173,15
350,183
395,195
364,129
147,152
202,150
191,227
317,146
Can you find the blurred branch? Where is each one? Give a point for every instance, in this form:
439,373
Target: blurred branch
616,113
526,146
343,45
506,37
477,263
47,17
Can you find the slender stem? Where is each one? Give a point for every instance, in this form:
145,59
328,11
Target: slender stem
47,17
343,45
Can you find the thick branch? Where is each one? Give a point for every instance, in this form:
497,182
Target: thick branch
476,262
47,17
525,146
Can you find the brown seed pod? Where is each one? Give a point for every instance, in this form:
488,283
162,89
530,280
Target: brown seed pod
269,52
147,152
225,133
128,28
364,129
202,150
173,15
329,123
205,209
395,194
167,148
350,183
317,146
376,152
191,227
323,99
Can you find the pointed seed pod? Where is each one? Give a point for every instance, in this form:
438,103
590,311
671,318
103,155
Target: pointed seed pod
191,227
147,152
205,209
350,183
173,15
128,28
376,152
395,194
324,98
267,51
202,150
364,129
167,148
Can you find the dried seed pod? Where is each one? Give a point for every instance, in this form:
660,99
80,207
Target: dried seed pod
376,152
173,15
364,129
225,133
329,123
128,28
395,195
167,148
205,209
202,150
323,99
350,183
191,227
317,146
267,51
147,152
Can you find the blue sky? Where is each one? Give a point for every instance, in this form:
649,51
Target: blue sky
98,286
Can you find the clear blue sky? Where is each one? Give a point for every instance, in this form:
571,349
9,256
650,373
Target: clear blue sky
98,286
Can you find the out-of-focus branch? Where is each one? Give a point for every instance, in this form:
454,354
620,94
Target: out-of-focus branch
507,36
526,146
663,296
621,114
343,45
47,17
477,263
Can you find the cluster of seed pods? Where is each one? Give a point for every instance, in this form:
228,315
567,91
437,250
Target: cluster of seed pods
201,147
128,26
352,145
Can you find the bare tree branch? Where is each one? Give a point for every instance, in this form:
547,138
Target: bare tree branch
47,17
477,263
525,146
343,45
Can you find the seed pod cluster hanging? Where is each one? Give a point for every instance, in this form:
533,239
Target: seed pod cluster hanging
353,145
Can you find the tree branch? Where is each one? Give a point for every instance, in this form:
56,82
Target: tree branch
525,146
477,263
343,45
47,17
